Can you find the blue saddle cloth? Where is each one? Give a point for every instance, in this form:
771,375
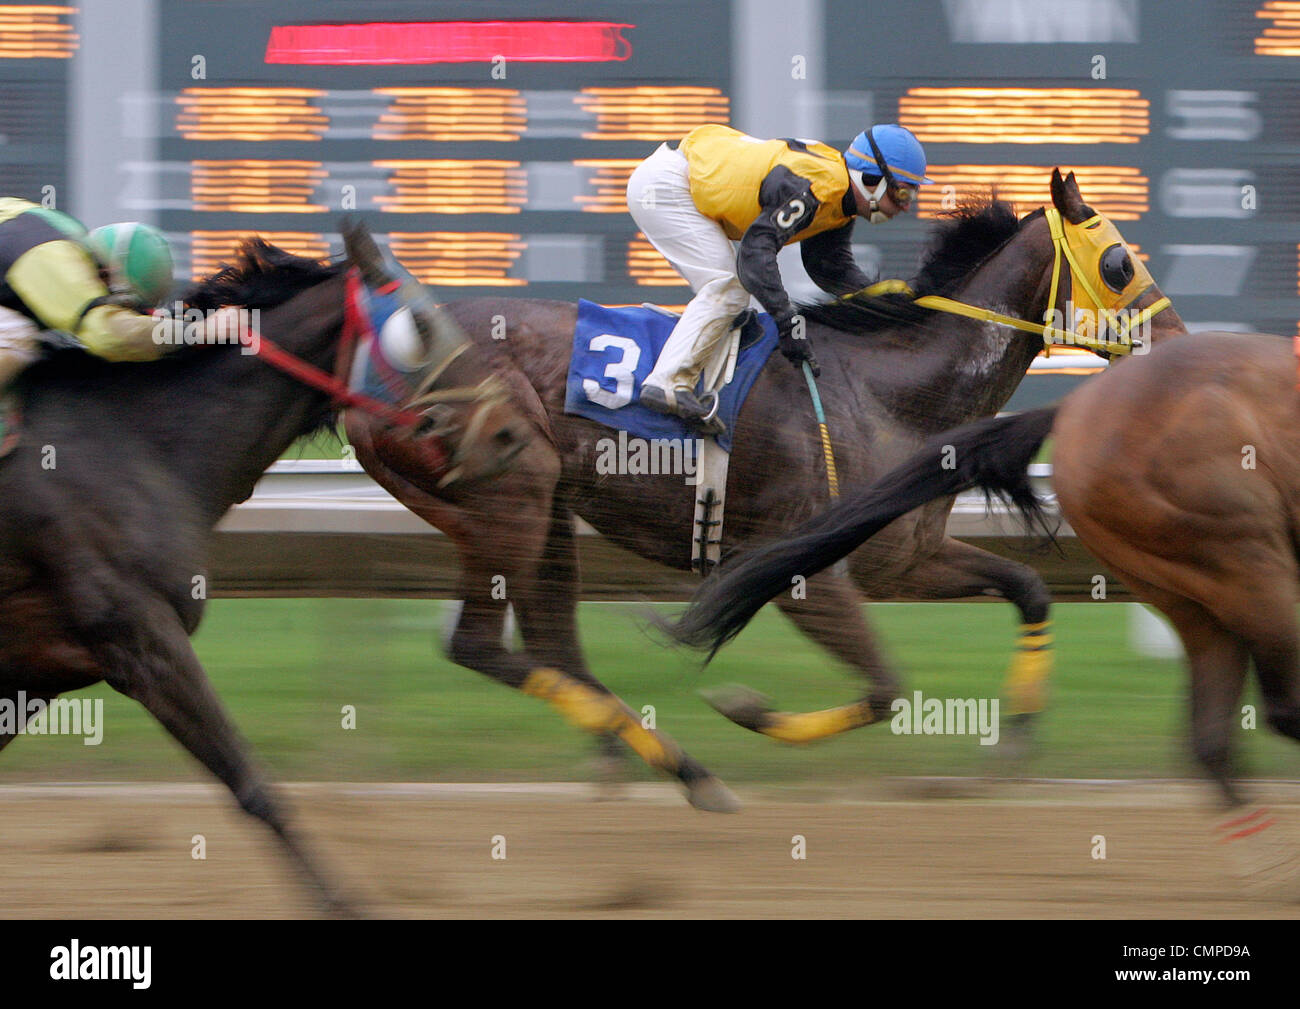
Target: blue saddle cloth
615,349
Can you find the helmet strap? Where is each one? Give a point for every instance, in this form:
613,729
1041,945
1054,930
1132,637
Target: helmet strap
871,196
873,204
886,182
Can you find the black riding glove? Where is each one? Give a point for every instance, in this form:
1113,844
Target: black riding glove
797,349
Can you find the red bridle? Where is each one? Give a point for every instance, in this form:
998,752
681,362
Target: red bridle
336,386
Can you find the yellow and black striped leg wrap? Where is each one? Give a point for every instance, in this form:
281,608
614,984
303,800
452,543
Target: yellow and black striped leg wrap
1026,686
810,726
599,712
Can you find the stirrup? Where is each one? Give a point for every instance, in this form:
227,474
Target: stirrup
712,410
703,417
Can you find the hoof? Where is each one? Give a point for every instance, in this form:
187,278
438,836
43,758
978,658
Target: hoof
1260,853
712,796
743,705
608,774
341,908
1018,741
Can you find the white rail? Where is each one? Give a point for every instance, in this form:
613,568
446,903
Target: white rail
336,496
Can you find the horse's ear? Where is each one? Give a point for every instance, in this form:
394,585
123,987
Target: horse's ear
436,328
363,253
1066,198
1058,189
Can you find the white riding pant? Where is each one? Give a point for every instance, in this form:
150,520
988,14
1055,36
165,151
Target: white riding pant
19,344
659,197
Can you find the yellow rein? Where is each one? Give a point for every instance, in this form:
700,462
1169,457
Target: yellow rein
1050,334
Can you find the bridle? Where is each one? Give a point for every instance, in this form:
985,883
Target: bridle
1063,256
358,337
355,332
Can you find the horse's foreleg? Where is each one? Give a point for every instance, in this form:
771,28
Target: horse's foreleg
547,608
958,571
8,737
585,702
157,667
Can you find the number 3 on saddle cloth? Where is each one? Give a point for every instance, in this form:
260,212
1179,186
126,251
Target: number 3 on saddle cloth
614,351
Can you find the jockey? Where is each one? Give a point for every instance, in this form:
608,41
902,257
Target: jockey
720,186
99,287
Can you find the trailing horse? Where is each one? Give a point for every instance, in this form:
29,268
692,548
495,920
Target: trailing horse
893,372
108,502
1179,470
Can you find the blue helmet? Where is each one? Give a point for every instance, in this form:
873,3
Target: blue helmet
902,153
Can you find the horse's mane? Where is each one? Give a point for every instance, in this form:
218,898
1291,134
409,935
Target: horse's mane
262,276
959,243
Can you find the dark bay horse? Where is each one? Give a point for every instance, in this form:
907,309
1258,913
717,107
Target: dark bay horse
892,374
108,503
1180,470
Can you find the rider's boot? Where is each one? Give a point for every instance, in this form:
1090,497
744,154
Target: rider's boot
681,401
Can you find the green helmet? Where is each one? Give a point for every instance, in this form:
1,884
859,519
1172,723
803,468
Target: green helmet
138,260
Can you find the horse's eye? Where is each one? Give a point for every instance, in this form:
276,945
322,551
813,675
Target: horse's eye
1116,268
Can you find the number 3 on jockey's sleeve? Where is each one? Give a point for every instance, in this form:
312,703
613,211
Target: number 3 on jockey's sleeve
792,216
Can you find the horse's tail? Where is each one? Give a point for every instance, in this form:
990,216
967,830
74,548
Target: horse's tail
992,454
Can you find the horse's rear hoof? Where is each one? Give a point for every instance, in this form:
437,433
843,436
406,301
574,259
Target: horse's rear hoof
712,796
743,705
1260,853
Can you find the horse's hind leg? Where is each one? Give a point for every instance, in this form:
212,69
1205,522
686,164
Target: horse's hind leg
1269,629
159,669
957,571
1218,659
828,610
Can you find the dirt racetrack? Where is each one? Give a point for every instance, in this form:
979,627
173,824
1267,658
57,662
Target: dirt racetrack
903,848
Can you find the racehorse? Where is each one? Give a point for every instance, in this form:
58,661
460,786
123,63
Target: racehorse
893,372
108,502
1178,470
